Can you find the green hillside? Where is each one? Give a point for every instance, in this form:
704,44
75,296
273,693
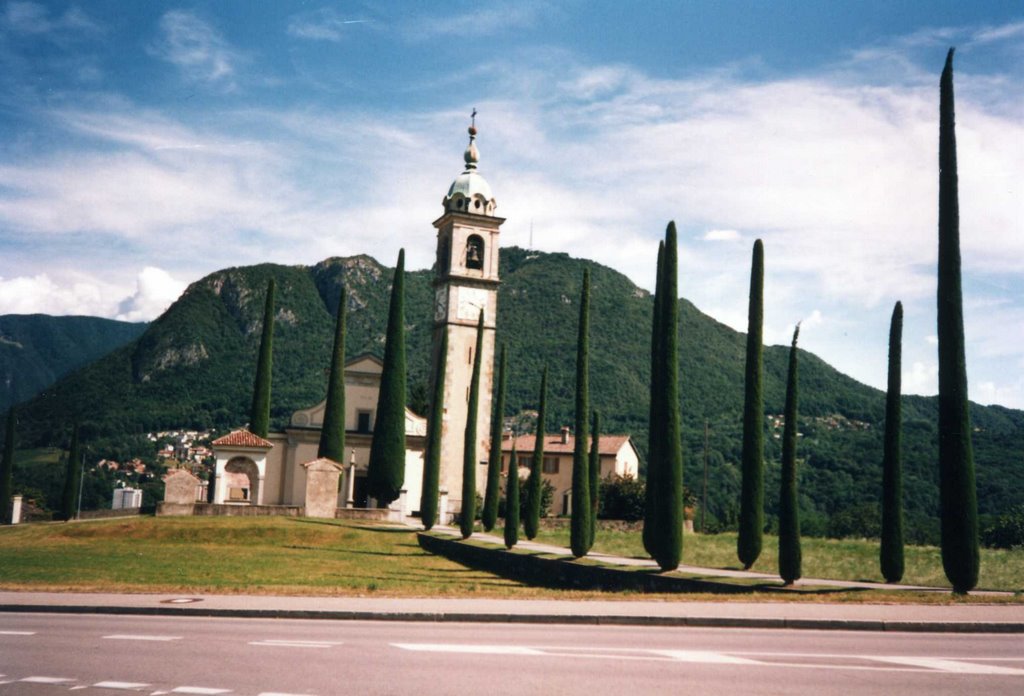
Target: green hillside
193,367
37,349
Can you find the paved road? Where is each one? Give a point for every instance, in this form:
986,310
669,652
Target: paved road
55,654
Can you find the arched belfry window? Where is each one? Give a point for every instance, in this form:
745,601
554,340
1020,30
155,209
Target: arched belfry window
475,252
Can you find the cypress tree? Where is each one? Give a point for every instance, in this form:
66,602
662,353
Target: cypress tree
751,522
595,474
72,478
534,489
435,427
386,470
332,435
468,514
654,422
490,513
789,516
259,418
669,493
7,469
891,551
579,530
512,501
957,494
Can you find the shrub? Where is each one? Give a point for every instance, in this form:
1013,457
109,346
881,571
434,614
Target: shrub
1007,531
621,498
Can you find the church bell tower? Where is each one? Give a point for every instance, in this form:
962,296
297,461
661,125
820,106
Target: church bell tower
466,282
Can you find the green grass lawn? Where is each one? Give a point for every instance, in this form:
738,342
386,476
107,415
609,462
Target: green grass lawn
267,555
838,559
290,556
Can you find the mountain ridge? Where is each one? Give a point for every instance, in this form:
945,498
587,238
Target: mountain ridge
193,367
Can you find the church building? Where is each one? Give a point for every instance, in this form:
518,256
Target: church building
283,469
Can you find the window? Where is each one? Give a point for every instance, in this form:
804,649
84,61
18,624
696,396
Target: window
524,461
475,252
363,422
550,465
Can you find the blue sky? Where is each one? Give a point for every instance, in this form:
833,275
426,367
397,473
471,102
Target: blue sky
147,144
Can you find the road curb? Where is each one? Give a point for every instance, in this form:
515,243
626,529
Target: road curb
565,619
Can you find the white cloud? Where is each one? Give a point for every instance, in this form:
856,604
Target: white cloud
923,378
482,21
324,24
196,48
155,290
721,236
39,294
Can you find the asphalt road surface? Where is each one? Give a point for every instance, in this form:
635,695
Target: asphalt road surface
53,654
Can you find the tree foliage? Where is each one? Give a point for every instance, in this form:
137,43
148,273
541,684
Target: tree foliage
332,435
751,522
435,427
72,478
386,470
512,500
468,514
259,417
7,469
959,509
891,549
580,525
492,492
531,521
594,470
790,562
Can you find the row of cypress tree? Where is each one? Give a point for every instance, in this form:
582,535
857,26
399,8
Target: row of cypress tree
957,489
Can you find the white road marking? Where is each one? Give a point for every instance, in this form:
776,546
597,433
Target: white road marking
278,693
199,690
17,633
125,636
46,680
950,666
119,685
474,649
271,643
706,657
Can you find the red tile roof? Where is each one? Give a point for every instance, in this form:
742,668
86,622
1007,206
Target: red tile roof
608,445
242,438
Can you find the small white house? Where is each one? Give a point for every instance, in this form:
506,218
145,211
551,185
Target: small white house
125,498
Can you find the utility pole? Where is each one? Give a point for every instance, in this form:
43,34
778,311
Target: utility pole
704,506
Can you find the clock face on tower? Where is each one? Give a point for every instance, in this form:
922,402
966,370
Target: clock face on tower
471,301
440,303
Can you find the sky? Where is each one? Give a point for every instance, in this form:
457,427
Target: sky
147,144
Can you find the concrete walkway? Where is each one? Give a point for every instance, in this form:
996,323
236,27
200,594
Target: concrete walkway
961,618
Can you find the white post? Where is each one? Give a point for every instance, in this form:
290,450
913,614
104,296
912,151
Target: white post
16,509
350,482
442,509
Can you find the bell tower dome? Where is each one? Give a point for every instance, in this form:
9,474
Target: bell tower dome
465,283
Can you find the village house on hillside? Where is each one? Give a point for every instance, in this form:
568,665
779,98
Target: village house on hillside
617,454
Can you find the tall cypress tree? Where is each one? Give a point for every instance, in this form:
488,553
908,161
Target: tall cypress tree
435,427
595,474
512,501
7,469
891,551
468,514
751,522
259,418
654,423
386,470
72,478
579,529
332,435
790,563
959,503
493,491
534,489
669,493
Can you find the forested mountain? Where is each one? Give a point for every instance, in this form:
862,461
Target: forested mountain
193,367
37,349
